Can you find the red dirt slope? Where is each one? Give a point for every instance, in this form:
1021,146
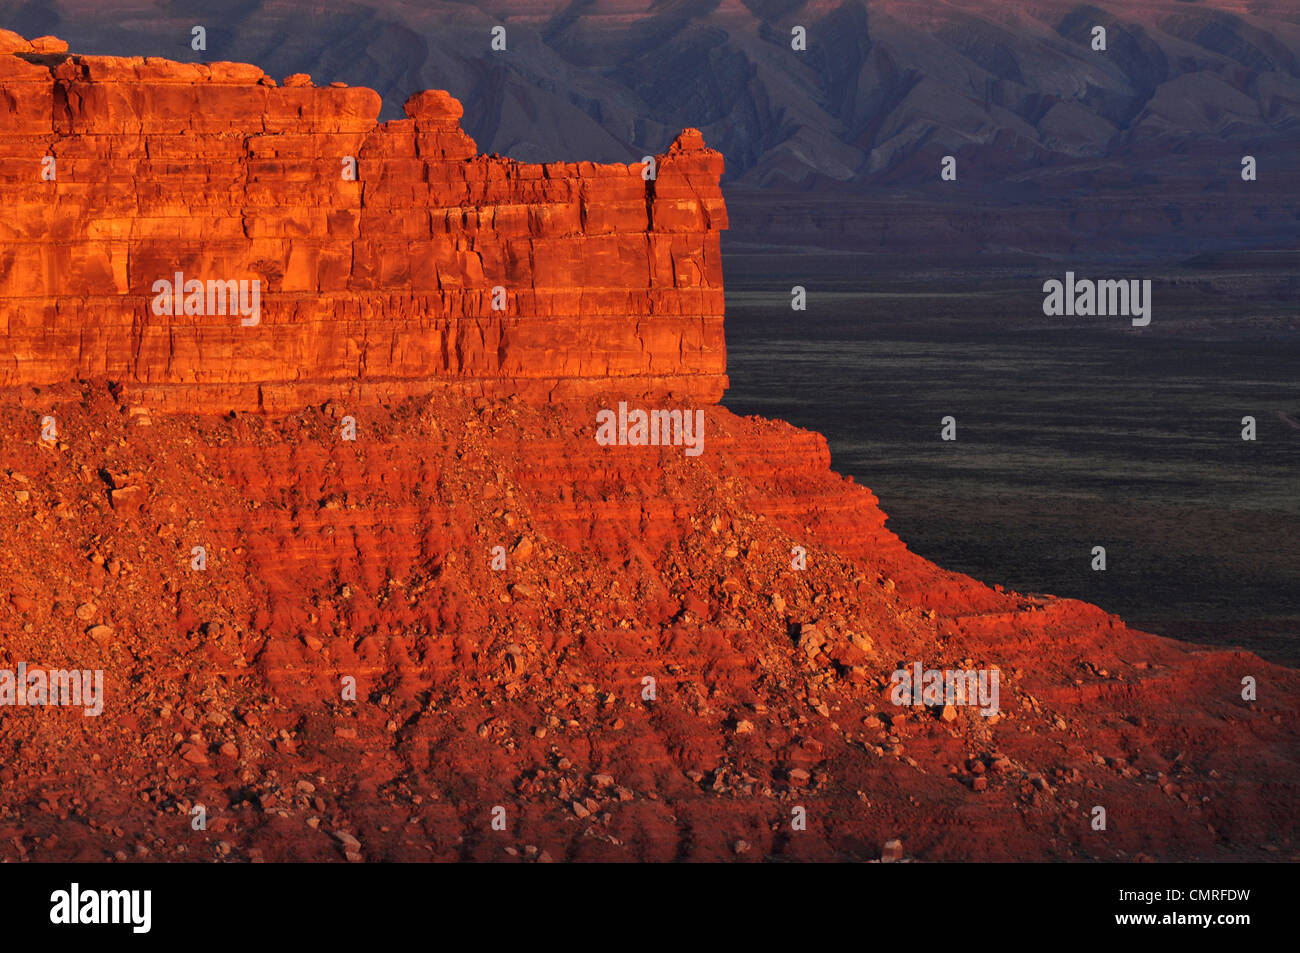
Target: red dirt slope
523,688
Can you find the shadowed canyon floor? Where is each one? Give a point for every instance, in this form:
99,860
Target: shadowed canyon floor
1068,437
524,688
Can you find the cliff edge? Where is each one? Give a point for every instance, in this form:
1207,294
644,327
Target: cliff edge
210,240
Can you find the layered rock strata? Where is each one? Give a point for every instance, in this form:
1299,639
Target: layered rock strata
389,257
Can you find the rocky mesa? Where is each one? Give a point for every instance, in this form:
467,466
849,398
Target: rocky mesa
367,257
411,608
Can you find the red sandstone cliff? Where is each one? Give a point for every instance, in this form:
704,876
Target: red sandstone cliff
372,559
380,286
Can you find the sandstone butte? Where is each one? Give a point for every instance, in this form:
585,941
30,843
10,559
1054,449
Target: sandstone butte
326,560
378,286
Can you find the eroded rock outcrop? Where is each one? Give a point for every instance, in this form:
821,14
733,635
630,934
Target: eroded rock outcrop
390,258
496,584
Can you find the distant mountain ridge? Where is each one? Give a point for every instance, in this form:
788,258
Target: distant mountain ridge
885,89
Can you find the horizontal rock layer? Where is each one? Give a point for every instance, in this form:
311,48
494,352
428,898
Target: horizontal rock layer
380,287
